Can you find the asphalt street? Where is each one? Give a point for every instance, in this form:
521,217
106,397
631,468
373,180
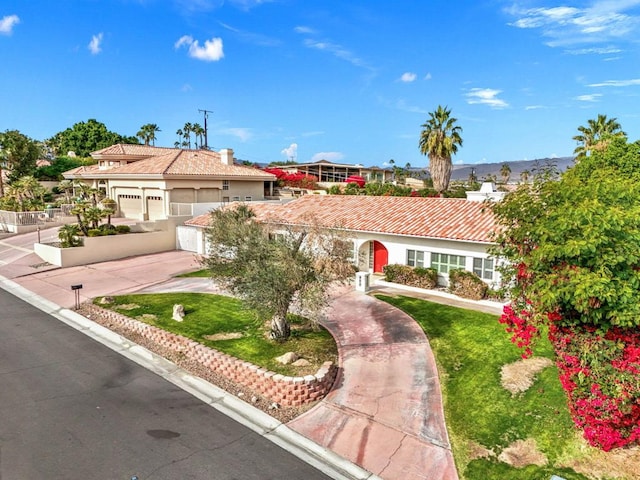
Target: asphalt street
71,408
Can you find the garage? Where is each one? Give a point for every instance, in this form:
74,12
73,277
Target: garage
155,208
130,206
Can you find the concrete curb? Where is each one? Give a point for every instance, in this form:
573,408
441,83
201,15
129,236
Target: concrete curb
259,422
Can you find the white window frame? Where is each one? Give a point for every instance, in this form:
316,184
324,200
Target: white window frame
444,262
416,258
484,267
225,184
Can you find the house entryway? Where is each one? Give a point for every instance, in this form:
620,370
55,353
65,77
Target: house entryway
380,256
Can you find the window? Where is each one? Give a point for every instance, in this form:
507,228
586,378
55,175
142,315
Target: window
415,258
225,184
443,262
483,267
236,199
247,199
225,199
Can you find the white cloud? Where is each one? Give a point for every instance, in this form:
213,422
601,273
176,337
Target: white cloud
427,76
594,97
314,133
338,51
617,83
304,30
408,77
251,37
485,96
595,50
291,152
95,45
330,156
7,23
602,21
211,51
243,134
534,107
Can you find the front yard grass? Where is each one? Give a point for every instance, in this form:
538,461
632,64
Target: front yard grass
470,348
207,315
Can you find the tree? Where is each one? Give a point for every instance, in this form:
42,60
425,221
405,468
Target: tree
198,131
572,251
147,133
187,130
69,236
505,173
86,137
440,139
596,134
58,166
18,155
272,267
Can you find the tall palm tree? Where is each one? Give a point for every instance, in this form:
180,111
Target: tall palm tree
152,130
187,131
198,131
180,134
595,134
440,139
505,173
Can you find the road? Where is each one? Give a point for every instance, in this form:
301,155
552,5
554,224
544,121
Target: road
70,408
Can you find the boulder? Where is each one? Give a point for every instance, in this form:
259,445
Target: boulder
287,358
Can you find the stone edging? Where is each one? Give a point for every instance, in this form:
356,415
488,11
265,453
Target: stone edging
284,390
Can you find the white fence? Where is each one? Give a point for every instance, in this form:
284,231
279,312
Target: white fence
17,222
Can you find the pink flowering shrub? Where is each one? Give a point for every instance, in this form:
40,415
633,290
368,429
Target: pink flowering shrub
601,376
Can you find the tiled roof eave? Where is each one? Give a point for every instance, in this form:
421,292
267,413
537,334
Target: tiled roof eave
220,176
374,232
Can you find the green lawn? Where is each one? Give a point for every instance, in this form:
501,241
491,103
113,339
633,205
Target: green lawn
198,274
207,314
470,349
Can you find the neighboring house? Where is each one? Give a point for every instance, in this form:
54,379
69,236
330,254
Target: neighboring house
329,173
147,181
443,233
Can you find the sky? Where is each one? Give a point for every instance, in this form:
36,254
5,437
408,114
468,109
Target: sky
345,81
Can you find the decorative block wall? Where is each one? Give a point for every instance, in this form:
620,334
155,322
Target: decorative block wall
284,390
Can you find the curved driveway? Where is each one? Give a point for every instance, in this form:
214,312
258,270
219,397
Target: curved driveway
385,412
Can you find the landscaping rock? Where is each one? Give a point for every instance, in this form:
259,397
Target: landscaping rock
301,362
178,312
106,300
287,358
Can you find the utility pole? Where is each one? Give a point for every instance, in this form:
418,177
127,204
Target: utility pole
206,115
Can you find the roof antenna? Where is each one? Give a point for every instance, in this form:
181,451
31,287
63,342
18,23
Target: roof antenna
206,115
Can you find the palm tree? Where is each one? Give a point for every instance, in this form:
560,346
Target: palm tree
198,131
147,133
505,173
152,130
180,134
187,131
68,235
595,134
440,139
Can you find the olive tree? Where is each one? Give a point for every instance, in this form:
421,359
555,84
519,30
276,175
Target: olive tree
273,267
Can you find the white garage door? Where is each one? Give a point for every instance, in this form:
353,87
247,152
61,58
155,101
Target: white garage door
130,206
155,208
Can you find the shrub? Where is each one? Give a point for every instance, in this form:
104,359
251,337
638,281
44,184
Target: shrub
123,229
413,277
467,284
95,232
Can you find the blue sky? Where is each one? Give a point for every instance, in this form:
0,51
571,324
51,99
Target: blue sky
347,81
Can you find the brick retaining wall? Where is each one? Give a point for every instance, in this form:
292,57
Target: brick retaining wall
287,391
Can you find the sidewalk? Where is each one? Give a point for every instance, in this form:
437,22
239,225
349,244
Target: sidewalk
385,411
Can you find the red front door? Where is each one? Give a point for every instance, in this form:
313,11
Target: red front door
380,257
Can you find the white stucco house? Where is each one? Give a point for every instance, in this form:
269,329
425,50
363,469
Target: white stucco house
443,233
149,182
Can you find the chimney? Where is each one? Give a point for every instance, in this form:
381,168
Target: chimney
226,156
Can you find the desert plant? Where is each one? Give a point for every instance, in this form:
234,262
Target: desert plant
123,229
69,236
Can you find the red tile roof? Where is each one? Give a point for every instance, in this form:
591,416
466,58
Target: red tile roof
132,149
442,218
176,162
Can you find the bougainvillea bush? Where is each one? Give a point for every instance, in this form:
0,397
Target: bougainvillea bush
296,180
572,250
